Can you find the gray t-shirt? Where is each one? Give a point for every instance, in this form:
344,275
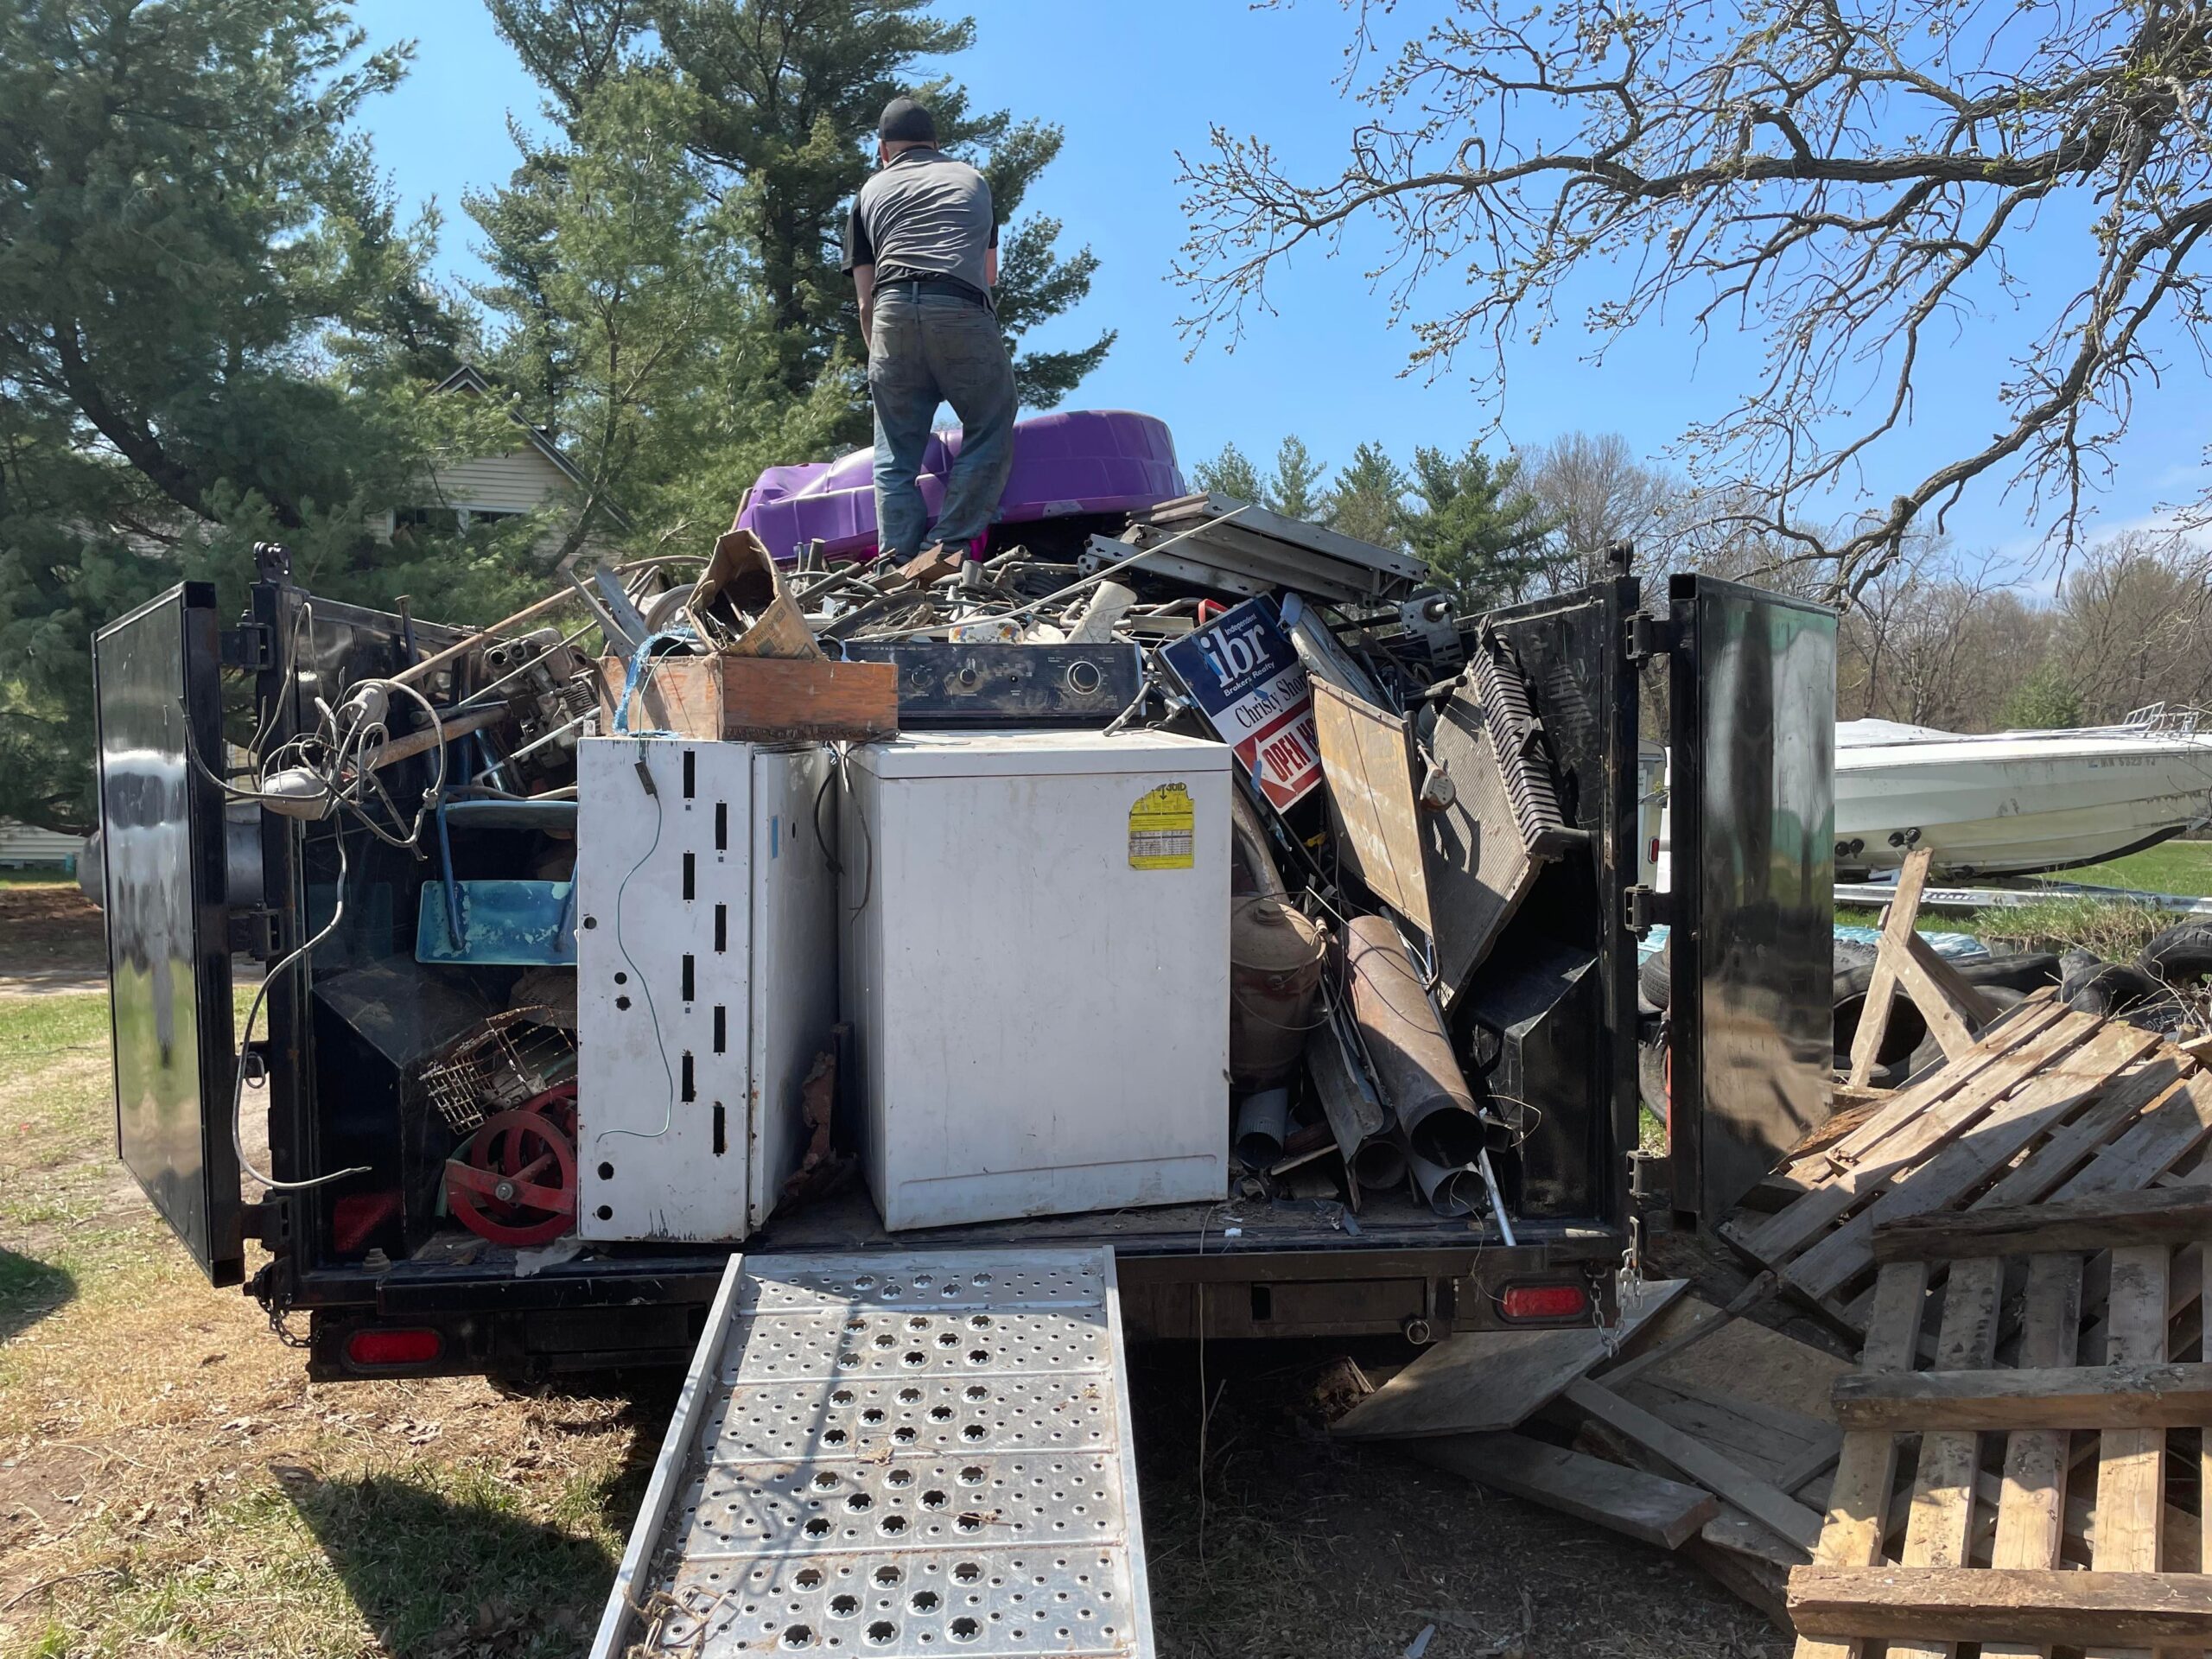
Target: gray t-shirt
924,215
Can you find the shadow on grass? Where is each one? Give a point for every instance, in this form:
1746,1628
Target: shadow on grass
446,1571
30,1290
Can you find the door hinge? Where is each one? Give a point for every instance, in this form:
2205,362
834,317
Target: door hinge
1644,908
1647,636
253,932
251,647
268,1222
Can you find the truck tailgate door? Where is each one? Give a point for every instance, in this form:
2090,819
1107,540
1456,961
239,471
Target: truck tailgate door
1750,792
158,705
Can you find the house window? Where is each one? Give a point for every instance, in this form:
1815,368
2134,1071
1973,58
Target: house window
413,521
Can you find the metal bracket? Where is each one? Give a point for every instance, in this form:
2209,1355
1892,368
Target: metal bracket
268,1222
251,647
1645,909
253,932
1646,635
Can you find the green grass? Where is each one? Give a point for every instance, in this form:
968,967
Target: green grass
2180,867
2114,928
36,879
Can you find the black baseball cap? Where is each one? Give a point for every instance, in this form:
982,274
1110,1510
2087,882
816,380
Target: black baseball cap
904,121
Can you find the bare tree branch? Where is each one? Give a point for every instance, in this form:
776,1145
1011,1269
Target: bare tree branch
1842,179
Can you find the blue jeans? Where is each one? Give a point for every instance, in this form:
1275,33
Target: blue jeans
929,349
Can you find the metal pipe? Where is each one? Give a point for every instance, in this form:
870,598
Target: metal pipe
1262,1122
1406,1042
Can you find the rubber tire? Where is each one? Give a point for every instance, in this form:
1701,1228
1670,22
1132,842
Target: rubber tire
1655,975
1907,1030
2023,971
1930,1054
2111,988
2180,955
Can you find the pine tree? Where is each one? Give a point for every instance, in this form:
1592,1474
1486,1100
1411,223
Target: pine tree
1230,473
214,330
1368,499
1479,528
1295,487
787,94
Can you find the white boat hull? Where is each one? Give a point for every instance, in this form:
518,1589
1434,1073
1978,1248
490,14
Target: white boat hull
2016,803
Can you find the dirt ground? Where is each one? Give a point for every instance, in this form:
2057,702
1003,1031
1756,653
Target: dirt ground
168,1478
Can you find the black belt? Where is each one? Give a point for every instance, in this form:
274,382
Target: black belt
952,286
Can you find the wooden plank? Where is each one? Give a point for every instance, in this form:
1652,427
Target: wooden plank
1486,1381
1979,1604
1951,1020
2057,1088
1859,1498
2046,1170
2036,1013
2116,1397
2099,1222
1929,1125
1757,1446
682,694
1758,1499
2160,1139
450,727
1367,761
1881,991
1941,1521
1647,1507
1965,998
1703,1320
806,699
2132,1461
2032,1505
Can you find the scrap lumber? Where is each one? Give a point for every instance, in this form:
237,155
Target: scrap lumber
1952,1008
2163,1215
1859,1499
2041,1396
1758,1498
1485,1380
2031,1503
2040,1100
2132,1461
1976,1603
1646,1507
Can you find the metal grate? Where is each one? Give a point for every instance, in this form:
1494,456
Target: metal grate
512,1057
904,1455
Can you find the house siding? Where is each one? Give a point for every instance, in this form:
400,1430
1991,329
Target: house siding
21,843
521,482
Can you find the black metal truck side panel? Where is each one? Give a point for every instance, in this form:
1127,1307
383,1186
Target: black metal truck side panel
1752,795
158,705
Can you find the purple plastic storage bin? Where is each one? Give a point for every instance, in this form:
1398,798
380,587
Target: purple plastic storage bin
1078,460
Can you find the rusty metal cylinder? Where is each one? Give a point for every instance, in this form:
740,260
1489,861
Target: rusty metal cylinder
1275,959
1420,1081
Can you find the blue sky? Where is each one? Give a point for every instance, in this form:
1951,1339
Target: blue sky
1134,83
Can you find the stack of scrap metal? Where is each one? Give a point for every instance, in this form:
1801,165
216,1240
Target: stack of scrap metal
1400,795
1222,543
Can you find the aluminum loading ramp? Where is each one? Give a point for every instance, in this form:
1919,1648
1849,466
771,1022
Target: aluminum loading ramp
918,1453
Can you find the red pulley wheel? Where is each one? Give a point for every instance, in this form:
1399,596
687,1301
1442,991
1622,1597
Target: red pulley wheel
518,1183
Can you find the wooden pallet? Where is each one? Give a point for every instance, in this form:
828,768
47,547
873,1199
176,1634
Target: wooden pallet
2023,1492
2049,1104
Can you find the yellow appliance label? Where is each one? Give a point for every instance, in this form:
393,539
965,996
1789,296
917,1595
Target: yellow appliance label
1163,827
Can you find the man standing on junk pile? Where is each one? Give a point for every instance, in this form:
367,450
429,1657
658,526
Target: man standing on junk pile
923,247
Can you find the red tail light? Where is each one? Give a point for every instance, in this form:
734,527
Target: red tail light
1545,1302
393,1347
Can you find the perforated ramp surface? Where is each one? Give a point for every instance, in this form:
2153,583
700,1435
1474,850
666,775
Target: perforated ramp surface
896,1454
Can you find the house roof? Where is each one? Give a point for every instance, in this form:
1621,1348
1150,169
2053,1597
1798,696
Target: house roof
471,379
